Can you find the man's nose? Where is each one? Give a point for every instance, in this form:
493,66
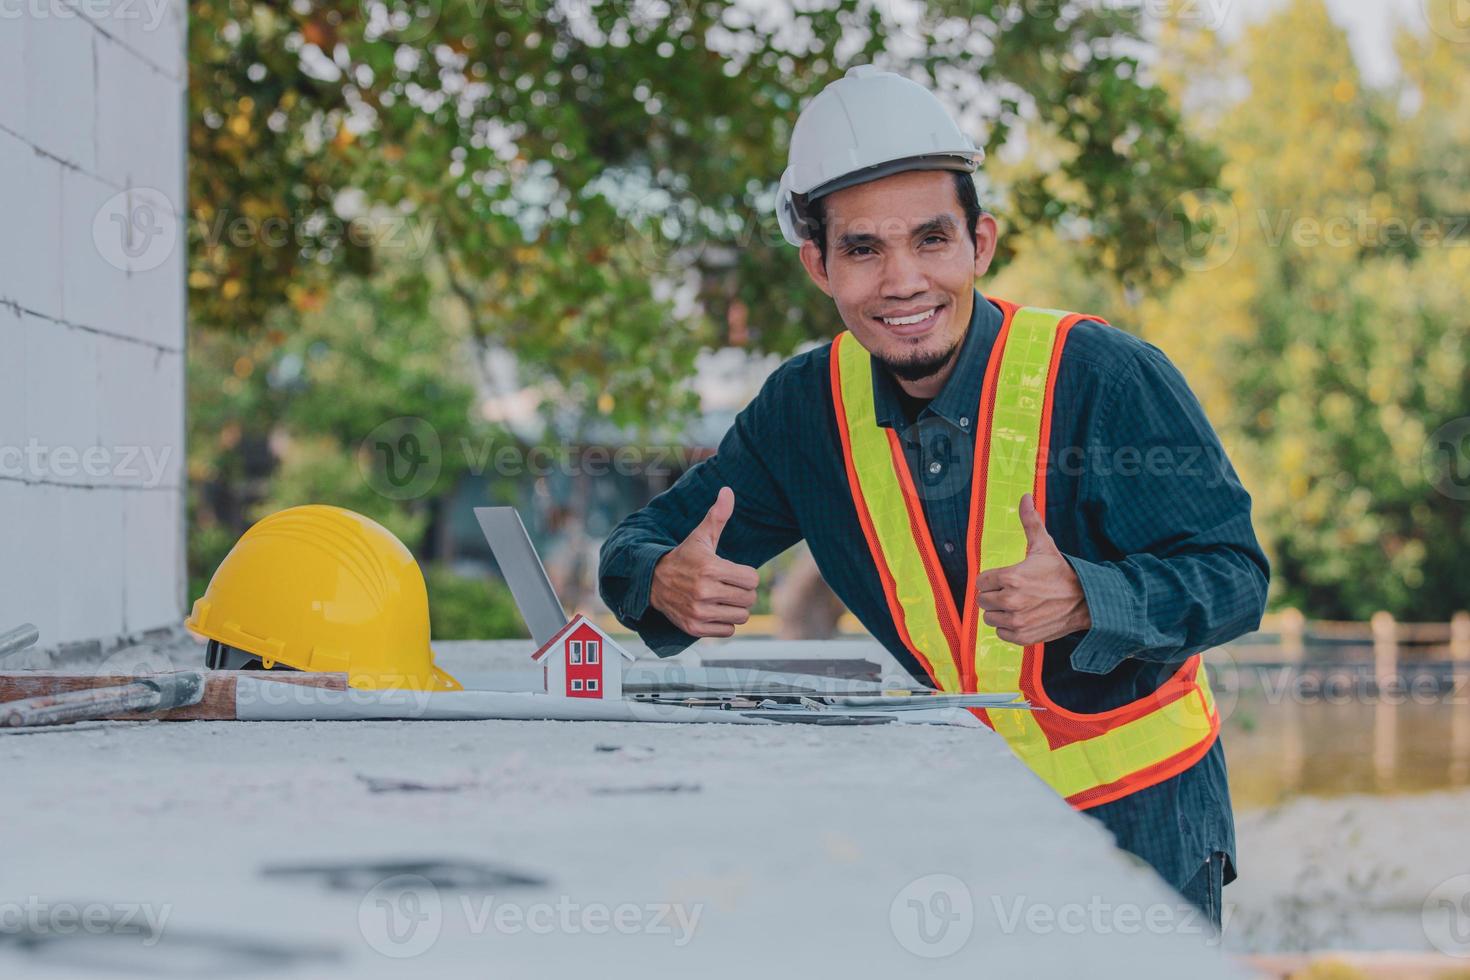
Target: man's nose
903,275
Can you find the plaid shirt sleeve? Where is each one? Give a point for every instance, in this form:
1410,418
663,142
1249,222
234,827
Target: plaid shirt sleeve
1188,573
762,526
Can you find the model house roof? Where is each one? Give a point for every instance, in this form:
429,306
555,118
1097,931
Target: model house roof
572,624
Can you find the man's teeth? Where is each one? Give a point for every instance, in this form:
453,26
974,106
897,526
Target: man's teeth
901,321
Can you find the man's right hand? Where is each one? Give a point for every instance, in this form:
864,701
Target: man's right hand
700,592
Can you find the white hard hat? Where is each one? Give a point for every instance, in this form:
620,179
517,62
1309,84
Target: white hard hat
867,124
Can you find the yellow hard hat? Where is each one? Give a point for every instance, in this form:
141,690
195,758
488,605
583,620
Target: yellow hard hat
324,589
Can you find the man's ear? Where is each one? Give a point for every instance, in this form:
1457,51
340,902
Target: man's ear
816,267
986,235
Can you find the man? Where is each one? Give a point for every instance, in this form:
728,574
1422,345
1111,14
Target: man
911,454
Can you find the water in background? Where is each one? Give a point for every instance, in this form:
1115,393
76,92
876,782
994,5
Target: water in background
1284,740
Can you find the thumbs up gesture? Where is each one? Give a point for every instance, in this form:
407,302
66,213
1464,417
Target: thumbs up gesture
1038,599
700,592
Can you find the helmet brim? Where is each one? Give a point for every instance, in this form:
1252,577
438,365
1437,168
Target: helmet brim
443,681
962,163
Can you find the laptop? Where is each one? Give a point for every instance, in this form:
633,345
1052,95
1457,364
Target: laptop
523,571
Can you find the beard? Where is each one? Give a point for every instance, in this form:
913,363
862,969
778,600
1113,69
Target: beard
917,367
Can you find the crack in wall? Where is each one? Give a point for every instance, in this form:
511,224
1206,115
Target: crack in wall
147,62
19,310
90,486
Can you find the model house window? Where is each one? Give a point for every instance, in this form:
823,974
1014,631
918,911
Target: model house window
576,685
576,648
592,648
592,684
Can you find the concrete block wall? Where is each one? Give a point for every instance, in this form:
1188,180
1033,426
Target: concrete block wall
92,266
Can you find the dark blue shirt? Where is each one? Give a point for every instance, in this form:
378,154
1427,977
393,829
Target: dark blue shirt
1140,498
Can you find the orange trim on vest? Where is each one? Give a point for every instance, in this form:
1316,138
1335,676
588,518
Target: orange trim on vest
919,527
1061,726
1149,775
977,485
866,520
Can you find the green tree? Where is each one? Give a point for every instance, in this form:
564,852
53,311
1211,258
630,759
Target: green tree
284,417
1323,324
596,179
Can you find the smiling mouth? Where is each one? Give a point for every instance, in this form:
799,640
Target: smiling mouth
910,323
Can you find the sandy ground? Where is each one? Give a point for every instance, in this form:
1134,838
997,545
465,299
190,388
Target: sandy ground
1354,872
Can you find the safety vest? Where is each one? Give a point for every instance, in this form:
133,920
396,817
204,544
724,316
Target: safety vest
1089,758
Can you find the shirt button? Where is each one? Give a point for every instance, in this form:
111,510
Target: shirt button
935,466
949,547
964,421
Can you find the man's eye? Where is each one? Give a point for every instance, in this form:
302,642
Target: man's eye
937,239
860,250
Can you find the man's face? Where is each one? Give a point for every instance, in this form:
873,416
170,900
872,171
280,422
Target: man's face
901,267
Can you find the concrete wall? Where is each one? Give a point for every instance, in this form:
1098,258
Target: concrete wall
92,258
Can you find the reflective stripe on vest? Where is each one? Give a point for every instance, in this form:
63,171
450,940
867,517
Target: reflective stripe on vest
1089,758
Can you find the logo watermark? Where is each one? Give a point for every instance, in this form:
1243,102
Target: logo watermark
1103,916
401,458
945,457
36,917
143,466
404,21
136,230
1446,459
1276,685
1450,19
267,689
1205,463
1445,916
933,916
149,15
408,235
1362,229
1199,230
403,917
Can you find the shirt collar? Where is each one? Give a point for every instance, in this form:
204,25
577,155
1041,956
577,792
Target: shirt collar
959,399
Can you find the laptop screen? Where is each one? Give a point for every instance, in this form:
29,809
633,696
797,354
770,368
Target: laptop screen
523,571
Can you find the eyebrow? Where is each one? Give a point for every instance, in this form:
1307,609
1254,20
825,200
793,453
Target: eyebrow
939,223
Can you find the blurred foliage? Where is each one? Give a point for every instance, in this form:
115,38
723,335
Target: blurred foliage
1321,315
284,416
1338,338
464,608
595,179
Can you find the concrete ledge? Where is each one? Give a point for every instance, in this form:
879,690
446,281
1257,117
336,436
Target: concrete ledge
386,849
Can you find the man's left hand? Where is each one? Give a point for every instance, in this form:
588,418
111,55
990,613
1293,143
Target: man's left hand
1039,599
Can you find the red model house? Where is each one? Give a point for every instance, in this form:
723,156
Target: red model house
581,661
